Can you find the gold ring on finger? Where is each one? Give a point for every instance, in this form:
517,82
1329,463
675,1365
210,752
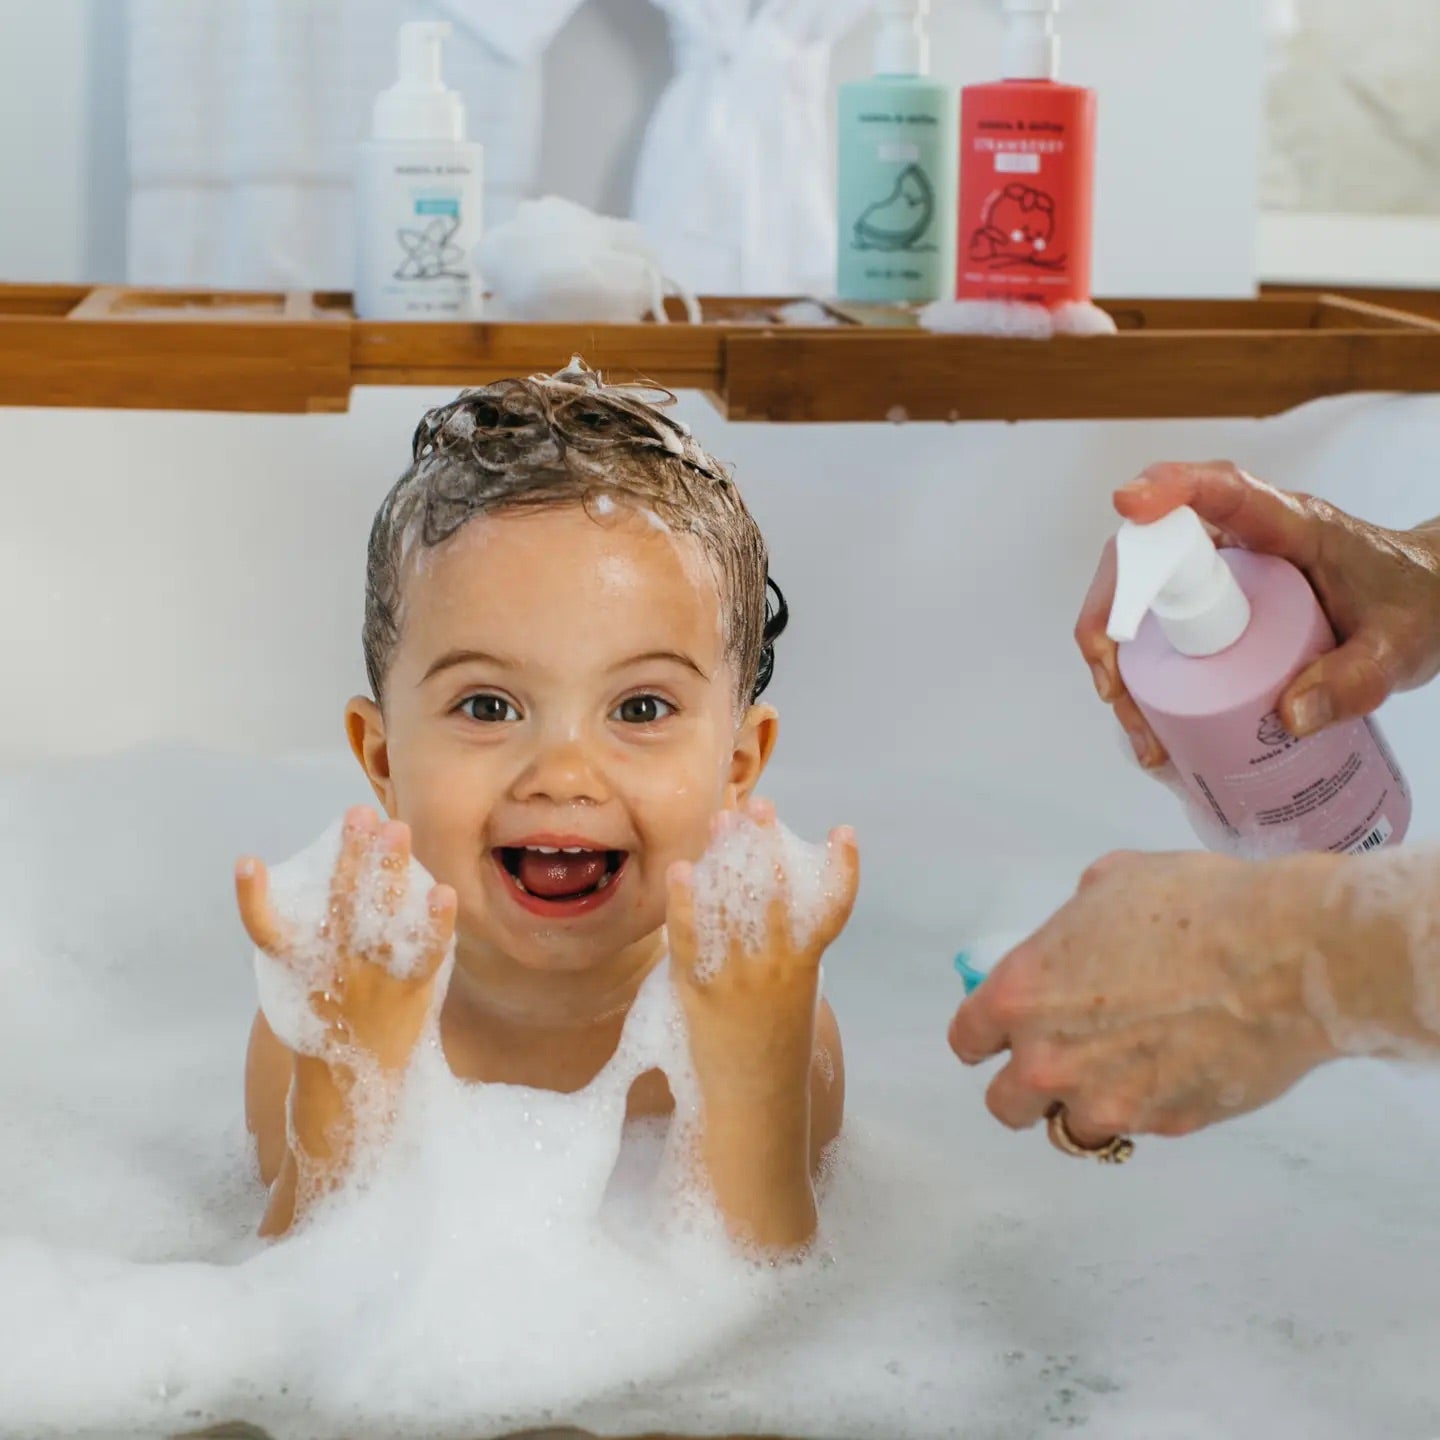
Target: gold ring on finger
1114,1151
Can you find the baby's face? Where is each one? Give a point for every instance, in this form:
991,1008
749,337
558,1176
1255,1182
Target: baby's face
560,724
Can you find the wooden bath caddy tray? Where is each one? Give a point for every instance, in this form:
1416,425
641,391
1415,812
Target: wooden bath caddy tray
304,352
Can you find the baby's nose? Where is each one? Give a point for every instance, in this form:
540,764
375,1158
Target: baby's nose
564,770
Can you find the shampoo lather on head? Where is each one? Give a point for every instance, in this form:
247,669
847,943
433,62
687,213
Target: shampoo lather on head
417,194
1209,640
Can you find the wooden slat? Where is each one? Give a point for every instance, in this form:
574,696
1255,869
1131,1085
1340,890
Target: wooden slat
194,349
199,307
1281,313
99,304
1344,312
1407,301
684,356
1299,313
880,376
264,366
678,354
52,300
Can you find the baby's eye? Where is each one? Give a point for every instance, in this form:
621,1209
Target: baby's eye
492,709
642,710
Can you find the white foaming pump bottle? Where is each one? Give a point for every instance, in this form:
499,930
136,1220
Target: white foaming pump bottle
417,194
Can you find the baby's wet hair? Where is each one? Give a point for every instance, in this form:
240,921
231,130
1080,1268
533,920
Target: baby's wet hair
566,439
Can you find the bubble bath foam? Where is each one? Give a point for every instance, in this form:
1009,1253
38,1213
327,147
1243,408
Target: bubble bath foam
503,1272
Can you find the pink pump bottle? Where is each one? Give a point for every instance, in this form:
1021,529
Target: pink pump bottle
1209,640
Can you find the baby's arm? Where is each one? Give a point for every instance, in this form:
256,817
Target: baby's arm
269,1068
285,1090
768,1060
301,1104
827,1085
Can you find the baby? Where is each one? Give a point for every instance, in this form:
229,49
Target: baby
567,634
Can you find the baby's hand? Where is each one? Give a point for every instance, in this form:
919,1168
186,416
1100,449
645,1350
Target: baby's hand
745,950
364,999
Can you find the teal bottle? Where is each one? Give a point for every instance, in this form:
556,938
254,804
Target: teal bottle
898,158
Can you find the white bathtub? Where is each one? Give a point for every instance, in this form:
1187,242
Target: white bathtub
192,586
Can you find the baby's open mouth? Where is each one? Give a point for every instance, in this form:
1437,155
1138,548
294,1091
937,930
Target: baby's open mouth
558,875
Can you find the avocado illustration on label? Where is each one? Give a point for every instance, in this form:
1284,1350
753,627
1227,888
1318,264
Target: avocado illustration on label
899,221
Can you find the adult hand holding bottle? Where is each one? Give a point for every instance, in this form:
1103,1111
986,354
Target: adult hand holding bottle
1270,968
1380,588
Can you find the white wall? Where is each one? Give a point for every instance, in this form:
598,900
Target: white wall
1384,250
1180,85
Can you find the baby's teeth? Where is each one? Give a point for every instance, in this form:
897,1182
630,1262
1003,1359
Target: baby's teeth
574,849
546,849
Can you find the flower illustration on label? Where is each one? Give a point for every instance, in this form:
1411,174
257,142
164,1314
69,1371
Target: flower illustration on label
430,253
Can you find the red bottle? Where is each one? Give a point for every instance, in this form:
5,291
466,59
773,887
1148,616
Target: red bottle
1027,173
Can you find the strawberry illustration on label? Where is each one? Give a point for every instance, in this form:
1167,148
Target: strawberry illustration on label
1017,229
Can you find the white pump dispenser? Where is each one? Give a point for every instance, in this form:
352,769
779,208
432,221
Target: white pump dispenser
1031,47
417,193
1173,568
418,106
902,46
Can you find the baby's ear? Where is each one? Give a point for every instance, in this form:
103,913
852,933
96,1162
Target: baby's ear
365,729
754,743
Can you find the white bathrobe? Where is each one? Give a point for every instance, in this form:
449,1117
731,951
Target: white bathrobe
735,186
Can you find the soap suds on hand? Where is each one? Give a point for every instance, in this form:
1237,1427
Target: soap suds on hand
390,920
745,870
1399,889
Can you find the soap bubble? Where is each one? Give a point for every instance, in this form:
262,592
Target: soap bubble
747,867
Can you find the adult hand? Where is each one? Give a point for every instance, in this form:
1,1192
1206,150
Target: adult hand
1169,993
1380,588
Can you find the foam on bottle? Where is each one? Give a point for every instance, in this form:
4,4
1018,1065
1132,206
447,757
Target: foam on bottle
1015,320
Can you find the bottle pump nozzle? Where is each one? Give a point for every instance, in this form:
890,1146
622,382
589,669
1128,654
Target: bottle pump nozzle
1173,568
418,106
902,46
1032,48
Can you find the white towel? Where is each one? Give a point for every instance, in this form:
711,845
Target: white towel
735,185
244,115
